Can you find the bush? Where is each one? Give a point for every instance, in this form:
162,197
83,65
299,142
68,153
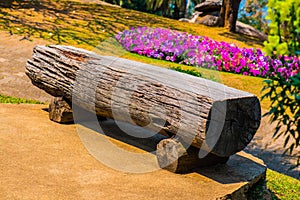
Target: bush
284,35
192,72
285,110
284,91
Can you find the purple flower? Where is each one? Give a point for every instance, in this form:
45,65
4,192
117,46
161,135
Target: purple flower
204,52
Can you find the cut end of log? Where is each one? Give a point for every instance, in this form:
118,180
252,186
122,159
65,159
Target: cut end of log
232,124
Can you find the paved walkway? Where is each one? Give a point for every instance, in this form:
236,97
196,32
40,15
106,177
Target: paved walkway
14,51
41,159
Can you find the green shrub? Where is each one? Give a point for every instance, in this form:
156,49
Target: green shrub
285,110
284,34
193,72
284,92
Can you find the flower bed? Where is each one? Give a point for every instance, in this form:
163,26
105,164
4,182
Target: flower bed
201,51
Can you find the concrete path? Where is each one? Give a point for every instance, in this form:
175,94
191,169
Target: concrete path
41,159
14,52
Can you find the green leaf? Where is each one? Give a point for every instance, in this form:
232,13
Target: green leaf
268,81
274,40
282,48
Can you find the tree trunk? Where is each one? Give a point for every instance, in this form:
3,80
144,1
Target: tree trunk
183,9
200,112
164,9
176,11
186,12
229,14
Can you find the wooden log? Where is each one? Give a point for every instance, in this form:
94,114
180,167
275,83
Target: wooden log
174,157
204,113
60,111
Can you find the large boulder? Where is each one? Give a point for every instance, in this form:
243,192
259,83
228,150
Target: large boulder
193,18
208,12
208,20
250,30
209,6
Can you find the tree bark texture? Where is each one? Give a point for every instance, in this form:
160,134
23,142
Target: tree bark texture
172,156
60,111
229,14
203,113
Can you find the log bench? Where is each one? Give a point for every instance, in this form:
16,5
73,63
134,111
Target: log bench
199,117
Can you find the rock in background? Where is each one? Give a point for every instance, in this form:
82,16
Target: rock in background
208,13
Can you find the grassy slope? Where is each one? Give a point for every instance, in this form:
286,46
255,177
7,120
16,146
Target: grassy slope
277,186
284,187
87,25
92,26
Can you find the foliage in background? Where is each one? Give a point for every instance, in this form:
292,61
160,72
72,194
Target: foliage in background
139,5
14,100
253,12
284,92
168,8
171,8
284,34
285,110
174,46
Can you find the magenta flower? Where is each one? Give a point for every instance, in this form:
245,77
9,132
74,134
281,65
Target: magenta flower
201,51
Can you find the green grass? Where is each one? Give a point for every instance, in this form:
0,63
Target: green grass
15,100
276,186
87,25
283,187
93,27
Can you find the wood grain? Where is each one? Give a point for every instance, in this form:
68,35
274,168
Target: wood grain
220,119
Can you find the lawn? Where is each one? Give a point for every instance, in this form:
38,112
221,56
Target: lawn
16,100
277,186
93,27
